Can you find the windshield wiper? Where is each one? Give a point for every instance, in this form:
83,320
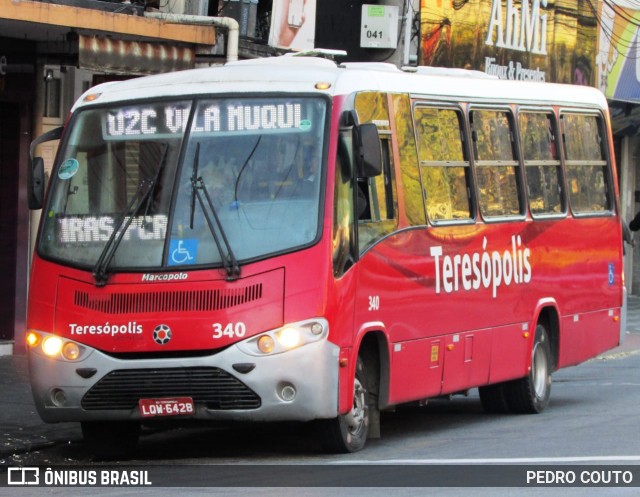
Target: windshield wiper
244,165
199,190
145,188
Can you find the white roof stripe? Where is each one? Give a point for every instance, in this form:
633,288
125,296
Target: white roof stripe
300,74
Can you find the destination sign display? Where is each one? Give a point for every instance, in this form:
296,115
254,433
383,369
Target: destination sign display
153,121
98,229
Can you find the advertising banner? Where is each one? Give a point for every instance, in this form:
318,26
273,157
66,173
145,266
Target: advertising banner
293,24
534,40
618,56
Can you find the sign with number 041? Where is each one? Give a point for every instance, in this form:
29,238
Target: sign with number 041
379,28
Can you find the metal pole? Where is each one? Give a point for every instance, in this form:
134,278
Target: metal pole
228,23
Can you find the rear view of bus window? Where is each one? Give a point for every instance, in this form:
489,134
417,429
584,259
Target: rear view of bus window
586,163
496,163
444,169
542,163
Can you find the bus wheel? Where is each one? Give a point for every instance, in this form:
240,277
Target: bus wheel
530,395
111,440
348,432
493,399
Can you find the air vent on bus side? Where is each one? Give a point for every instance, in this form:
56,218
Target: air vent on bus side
168,301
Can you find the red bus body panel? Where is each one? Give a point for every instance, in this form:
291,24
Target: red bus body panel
444,342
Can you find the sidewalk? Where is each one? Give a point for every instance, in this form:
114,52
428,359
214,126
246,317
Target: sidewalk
22,430
631,340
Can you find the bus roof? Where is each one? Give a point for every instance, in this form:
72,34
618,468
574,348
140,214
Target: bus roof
301,74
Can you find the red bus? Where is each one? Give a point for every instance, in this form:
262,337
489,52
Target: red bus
319,245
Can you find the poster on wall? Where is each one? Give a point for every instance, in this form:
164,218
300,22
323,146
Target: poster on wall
293,24
531,40
618,60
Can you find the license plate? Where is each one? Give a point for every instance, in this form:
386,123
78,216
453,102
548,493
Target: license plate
174,406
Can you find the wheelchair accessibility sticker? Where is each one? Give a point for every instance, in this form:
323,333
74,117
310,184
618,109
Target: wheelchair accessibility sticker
183,251
611,273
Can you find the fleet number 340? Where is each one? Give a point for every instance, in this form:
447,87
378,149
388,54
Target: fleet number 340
374,302
230,330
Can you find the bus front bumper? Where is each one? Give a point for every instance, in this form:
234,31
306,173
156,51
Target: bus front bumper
299,384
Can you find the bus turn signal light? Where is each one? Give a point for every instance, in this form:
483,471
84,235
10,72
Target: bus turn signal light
32,339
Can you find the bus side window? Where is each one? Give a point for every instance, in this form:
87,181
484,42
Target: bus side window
343,210
496,163
542,163
377,214
586,163
408,166
444,168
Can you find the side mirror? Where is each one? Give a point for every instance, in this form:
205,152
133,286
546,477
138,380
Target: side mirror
36,183
367,150
35,175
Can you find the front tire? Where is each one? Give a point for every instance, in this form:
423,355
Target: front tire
530,395
348,432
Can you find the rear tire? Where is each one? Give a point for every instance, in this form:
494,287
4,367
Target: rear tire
530,395
111,440
348,432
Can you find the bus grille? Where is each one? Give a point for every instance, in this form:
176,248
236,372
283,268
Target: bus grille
168,301
213,387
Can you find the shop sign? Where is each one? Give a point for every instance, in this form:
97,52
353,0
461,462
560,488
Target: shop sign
523,29
618,60
531,40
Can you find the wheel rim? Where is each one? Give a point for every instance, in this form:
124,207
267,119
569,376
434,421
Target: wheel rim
356,417
539,371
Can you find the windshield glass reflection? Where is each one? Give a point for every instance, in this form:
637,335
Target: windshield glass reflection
259,161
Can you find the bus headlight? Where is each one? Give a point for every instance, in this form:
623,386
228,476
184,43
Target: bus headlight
288,337
266,344
71,351
54,346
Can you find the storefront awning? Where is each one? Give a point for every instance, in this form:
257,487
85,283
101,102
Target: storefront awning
108,55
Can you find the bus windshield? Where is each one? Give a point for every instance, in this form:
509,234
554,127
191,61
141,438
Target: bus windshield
160,184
